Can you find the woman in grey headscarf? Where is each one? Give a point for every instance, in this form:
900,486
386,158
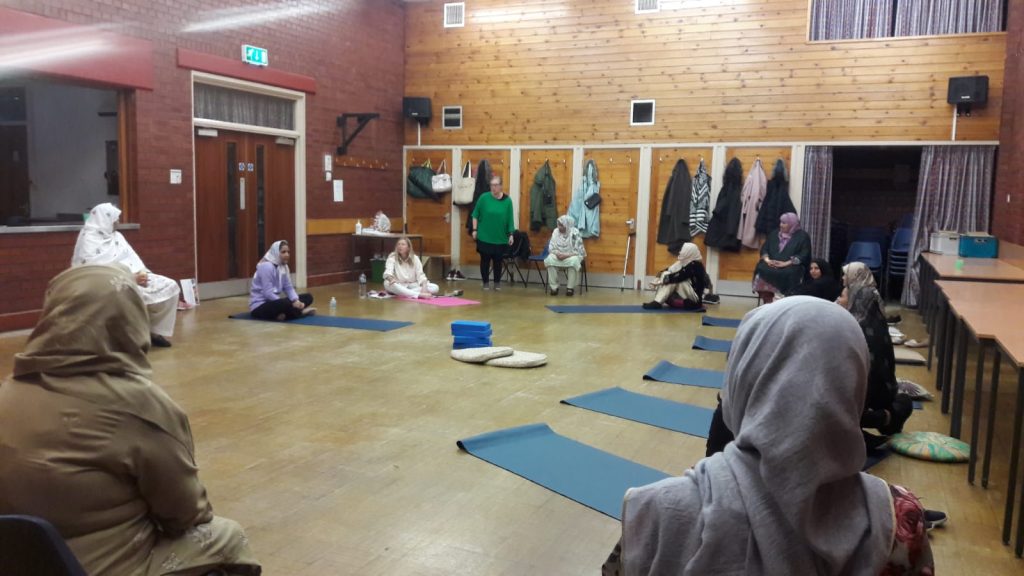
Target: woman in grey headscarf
787,496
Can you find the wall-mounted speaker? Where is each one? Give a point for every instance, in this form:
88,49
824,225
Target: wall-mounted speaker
418,108
968,90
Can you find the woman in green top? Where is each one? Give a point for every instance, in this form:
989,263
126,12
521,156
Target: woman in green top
492,230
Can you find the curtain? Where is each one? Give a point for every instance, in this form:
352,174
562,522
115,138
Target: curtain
927,17
849,19
954,192
816,204
227,105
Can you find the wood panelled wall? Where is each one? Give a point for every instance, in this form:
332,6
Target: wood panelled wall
618,172
430,217
663,163
535,71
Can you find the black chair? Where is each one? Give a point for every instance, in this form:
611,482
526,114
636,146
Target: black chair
31,546
518,250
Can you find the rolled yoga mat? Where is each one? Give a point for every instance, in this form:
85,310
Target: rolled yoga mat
619,309
666,371
335,322
579,472
712,344
723,322
675,416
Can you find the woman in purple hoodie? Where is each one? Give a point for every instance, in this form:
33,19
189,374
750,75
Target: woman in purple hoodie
272,296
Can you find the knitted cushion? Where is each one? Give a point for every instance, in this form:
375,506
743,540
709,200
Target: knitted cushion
913,389
930,446
481,355
520,360
904,356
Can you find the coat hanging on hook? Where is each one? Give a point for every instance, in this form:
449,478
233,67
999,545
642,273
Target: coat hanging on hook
776,200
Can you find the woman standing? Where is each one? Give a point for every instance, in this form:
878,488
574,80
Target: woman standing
566,251
783,259
272,296
99,243
492,229
403,273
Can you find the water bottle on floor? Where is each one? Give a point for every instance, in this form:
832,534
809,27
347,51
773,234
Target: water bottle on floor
362,285
334,305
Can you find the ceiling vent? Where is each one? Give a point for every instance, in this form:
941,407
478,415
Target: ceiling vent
454,14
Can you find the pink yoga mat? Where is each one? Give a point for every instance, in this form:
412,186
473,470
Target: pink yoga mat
442,301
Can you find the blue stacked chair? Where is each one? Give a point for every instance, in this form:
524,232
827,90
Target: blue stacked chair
870,253
899,254
470,334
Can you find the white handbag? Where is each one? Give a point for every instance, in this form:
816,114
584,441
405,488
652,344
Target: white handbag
462,194
442,181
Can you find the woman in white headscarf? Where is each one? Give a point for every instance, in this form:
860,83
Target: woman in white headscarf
271,294
100,243
565,251
683,283
788,495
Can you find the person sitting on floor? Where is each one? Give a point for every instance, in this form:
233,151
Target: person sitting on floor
681,285
788,495
565,251
822,284
272,296
91,444
403,273
99,243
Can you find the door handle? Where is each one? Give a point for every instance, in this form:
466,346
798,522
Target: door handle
241,193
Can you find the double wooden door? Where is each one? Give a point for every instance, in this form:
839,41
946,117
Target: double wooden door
245,201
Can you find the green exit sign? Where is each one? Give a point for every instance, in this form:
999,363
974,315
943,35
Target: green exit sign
253,55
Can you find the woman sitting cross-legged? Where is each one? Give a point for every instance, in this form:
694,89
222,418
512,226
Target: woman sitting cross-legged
788,495
91,444
565,251
682,284
272,296
403,273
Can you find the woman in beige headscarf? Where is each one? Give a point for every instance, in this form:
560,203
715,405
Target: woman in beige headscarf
99,243
89,443
683,283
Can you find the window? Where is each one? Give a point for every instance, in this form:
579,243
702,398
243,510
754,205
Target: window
62,150
853,19
238,107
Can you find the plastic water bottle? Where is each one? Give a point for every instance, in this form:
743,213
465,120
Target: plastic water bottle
362,285
334,305
359,226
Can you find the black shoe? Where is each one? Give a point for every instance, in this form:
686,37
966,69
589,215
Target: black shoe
554,292
934,519
652,305
894,319
159,341
569,291
712,299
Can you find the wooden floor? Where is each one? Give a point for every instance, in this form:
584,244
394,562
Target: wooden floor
336,448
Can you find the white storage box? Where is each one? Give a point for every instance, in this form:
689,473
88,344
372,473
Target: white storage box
944,242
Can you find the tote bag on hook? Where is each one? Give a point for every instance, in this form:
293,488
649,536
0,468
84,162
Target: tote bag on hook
462,193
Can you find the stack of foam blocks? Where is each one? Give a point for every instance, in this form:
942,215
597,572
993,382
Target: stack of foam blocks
469,334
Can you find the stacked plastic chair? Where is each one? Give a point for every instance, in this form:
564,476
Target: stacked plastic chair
470,334
899,254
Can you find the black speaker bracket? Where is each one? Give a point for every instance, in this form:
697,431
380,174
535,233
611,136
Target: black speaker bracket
362,119
963,109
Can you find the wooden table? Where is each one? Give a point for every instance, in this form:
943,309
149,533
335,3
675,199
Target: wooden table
392,236
936,267
992,314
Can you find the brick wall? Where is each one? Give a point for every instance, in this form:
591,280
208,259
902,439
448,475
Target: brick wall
353,48
1008,217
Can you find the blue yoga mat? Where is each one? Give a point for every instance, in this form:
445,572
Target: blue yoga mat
675,416
723,322
336,322
619,309
666,371
712,344
579,472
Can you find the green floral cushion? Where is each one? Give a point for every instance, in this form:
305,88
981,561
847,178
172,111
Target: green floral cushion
930,446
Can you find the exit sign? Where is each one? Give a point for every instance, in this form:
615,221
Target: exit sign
253,55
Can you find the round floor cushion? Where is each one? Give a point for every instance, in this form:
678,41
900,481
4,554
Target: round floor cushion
520,360
481,355
930,446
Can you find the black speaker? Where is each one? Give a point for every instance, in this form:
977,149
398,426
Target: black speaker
968,90
418,108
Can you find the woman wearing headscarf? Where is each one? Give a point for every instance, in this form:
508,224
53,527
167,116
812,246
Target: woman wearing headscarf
821,282
271,294
682,284
787,496
783,257
99,243
565,251
100,451
885,409
404,275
